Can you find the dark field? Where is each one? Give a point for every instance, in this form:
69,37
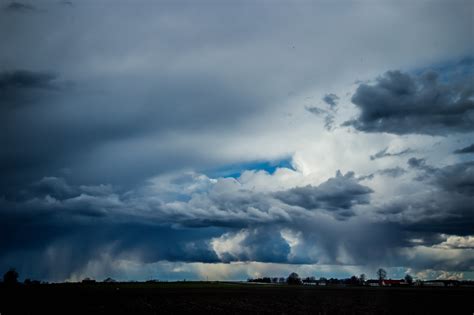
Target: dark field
212,298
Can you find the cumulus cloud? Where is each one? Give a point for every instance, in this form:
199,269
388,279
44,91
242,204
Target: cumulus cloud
339,195
402,103
430,274
453,241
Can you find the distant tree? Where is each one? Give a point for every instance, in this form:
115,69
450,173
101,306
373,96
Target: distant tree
88,281
362,278
354,280
409,279
381,274
293,278
10,277
109,280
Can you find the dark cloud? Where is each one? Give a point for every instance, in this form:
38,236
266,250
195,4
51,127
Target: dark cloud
392,172
416,163
457,178
19,88
425,169
383,153
186,218
401,103
444,208
331,99
15,6
19,79
338,194
77,225
54,187
468,149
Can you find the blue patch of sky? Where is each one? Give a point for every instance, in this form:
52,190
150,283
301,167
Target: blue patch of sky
235,170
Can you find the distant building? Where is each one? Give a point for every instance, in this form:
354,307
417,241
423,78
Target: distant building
435,283
393,283
373,283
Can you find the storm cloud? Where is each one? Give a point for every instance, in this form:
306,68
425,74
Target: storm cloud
402,103
338,194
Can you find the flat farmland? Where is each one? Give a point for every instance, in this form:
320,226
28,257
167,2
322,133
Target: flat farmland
230,298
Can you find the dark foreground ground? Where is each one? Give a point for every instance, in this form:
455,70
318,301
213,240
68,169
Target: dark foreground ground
214,298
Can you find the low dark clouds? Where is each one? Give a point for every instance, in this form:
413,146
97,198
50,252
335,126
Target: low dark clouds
468,149
76,225
401,103
218,220
82,221
444,208
457,178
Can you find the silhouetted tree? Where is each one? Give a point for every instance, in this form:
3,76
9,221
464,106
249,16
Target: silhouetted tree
381,274
362,278
354,280
409,279
10,277
293,278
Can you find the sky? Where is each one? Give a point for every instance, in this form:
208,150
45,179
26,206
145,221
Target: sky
227,140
